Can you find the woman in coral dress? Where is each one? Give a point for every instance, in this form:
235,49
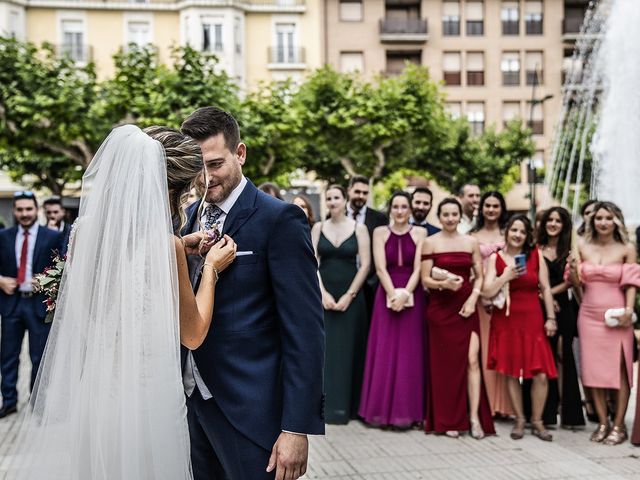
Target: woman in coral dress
609,277
456,398
489,231
394,377
518,347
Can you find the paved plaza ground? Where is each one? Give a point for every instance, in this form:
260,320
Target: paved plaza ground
358,452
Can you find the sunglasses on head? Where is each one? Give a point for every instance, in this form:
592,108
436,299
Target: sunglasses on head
24,194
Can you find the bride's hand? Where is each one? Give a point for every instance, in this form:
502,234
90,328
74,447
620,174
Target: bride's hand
222,253
194,244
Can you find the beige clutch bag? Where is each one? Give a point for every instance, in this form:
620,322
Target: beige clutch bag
408,304
442,274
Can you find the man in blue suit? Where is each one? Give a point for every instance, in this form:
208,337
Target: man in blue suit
25,250
254,388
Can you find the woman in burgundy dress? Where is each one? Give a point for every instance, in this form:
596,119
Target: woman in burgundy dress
518,346
456,397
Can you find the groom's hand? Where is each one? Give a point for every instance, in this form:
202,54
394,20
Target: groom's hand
289,456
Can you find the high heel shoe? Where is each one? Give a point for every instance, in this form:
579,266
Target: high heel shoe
476,430
517,432
452,433
616,436
537,429
600,434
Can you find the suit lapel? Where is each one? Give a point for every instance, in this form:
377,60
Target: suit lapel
241,210
38,247
192,215
13,233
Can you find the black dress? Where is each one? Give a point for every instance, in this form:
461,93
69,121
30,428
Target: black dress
570,405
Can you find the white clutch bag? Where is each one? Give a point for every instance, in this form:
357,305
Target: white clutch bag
611,317
442,274
408,304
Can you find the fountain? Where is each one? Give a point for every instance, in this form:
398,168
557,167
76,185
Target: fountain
598,135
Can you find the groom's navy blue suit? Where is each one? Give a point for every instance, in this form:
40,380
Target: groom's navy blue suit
263,357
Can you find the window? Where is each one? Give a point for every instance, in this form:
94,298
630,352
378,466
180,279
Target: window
510,112
475,68
536,123
138,32
351,62
237,35
451,68
351,11
454,109
534,68
14,24
212,35
475,117
286,51
396,61
533,17
73,40
475,18
510,67
510,16
451,18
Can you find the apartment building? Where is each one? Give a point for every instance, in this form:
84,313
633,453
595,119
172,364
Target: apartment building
255,40
498,60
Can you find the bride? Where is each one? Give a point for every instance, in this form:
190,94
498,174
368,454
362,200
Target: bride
108,403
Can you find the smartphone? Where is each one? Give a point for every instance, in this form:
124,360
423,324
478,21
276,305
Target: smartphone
521,263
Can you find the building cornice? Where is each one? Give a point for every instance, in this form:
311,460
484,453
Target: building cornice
247,6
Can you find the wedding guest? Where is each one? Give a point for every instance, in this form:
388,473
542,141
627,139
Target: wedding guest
586,211
489,231
25,250
303,202
339,242
394,378
271,189
456,399
421,203
609,276
56,218
554,241
469,196
517,344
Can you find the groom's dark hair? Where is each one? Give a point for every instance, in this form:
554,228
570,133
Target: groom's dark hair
210,121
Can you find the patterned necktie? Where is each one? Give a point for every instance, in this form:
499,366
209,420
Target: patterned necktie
212,215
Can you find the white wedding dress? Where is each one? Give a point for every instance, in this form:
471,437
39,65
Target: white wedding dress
108,402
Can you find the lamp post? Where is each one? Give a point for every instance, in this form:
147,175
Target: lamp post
532,169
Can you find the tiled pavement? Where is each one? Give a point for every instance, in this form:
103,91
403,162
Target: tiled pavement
357,452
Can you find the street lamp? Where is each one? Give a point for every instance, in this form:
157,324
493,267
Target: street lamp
532,169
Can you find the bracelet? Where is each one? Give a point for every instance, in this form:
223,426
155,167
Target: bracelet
552,319
215,270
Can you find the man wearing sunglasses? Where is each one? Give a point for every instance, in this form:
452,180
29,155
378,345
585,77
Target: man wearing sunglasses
26,249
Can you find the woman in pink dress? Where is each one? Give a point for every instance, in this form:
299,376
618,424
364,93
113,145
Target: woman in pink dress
609,276
456,399
489,231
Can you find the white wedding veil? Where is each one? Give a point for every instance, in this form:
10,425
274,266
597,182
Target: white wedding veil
108,402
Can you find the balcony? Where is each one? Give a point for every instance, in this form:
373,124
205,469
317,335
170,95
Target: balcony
536,127
275,6
571,27
79,53
403,30
286,58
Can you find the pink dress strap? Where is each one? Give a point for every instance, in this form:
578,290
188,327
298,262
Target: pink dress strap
630,275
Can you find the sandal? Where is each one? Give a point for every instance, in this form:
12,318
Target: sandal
600,434
517,432
538,429
616,436
476,430
452,433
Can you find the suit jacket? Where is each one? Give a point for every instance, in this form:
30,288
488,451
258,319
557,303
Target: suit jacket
431,229
263,357
372,220
47,243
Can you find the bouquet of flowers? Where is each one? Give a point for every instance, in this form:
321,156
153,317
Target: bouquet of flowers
48,283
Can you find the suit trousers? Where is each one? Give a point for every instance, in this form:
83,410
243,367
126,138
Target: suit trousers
12,329
218,450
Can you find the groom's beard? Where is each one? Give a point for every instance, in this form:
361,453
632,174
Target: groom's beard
419,216
220,188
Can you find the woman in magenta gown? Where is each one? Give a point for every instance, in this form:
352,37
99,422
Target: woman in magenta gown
394,378
456,399
518,345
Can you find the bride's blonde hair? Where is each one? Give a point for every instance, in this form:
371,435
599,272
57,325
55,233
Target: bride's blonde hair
184,166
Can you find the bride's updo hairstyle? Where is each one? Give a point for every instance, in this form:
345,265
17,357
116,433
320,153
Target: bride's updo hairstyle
184,166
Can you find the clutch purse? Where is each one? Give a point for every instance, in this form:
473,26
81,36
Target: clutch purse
408,304
611,317
438,273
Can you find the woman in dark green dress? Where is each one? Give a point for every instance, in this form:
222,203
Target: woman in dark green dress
342,248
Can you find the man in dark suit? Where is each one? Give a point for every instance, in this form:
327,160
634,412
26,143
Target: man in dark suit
421,203
254,388
25,250
56,216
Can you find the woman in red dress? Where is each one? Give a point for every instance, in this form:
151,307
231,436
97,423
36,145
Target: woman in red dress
456,397
517,344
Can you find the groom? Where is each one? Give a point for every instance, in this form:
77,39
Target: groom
254,388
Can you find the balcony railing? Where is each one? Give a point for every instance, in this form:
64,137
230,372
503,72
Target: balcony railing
475,78
510,27
534,77
404,30
533,27
510,78
571,25
278,3
77,52
452,78
536,126
286,55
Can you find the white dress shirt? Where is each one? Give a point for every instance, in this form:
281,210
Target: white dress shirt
191,378
33,234
360,217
